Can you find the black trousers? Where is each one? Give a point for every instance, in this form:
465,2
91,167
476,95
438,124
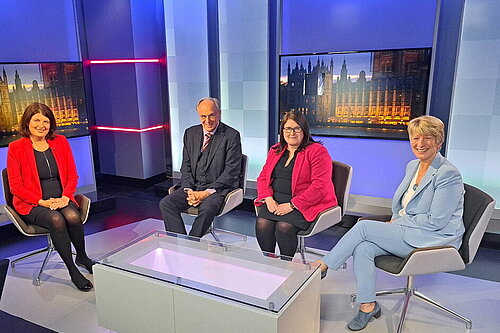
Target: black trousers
174,204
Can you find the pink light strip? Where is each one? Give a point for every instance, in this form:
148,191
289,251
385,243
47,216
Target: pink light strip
124,129
123,61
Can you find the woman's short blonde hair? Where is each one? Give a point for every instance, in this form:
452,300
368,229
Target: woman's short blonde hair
427,125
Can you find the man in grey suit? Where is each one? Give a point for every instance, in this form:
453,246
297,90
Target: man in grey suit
211,167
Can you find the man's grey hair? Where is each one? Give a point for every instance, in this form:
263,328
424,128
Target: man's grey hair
213,99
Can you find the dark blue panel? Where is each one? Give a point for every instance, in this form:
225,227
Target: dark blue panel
343,25
115,94
445,58
35,31
109,29
123,29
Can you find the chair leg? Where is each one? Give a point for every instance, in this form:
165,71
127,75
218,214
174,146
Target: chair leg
228,232
390,292
408,292
13,263
420,296
217,239
36,278
303,249
400,291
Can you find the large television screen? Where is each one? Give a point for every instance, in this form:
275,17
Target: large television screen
370,94
60,85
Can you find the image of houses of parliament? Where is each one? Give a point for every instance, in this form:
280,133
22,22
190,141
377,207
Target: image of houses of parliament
62,91
396,93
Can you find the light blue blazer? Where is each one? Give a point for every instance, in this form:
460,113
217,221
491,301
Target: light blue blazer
434,213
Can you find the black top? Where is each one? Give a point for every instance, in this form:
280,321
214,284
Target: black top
282,189
49,174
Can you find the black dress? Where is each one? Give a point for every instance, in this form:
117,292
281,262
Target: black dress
49,180
282,189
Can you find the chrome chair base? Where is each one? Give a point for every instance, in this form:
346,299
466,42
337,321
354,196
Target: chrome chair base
49,249
213,231
409,291
302,249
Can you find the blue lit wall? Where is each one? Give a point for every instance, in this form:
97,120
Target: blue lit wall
474,140
343,25
36,31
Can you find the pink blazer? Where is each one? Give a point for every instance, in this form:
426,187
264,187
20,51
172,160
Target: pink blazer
312,187
23,174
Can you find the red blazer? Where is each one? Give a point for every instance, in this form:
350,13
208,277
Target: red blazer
312,187
23,174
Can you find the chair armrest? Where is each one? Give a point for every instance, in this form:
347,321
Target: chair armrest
257,208
232,199
427,260
326,219
84,204
172,188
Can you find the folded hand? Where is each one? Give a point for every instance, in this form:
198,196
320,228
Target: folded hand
283,209
194,198
271,204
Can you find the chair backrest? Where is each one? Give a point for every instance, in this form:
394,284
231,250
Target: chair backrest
341,178
478,208
25,229
243,173
6,188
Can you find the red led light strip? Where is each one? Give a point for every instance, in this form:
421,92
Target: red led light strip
123,129
124,61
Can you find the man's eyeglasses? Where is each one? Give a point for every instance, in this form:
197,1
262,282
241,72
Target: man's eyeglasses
289,130
210,116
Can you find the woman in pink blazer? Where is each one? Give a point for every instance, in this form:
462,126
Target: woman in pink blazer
294,186
42,177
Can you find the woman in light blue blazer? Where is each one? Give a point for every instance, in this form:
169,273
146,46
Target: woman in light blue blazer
426,211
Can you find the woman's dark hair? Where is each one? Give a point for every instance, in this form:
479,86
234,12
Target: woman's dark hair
301,120
31,110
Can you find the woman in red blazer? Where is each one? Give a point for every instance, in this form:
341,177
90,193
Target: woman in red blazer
42,177
294,186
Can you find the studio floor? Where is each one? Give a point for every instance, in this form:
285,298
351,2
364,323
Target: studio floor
58,305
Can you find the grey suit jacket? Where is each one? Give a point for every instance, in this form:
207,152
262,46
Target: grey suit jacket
224,159
434,213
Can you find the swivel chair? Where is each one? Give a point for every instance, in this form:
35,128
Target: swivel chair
341,178
478,208
232,200
31,230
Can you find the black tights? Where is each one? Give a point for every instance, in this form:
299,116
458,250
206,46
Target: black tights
66,227
269,232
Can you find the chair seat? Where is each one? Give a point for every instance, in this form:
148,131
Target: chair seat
391,264
420,261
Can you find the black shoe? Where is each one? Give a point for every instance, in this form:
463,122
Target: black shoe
85,287
85,263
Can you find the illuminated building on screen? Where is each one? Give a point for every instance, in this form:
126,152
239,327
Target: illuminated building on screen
62,91
395,93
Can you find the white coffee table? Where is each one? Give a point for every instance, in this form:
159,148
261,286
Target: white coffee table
169,283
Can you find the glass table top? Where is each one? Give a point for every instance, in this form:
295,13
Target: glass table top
233,272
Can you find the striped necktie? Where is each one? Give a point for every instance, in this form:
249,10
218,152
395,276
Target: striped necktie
208,137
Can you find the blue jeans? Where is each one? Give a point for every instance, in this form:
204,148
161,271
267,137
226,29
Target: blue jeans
364,241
